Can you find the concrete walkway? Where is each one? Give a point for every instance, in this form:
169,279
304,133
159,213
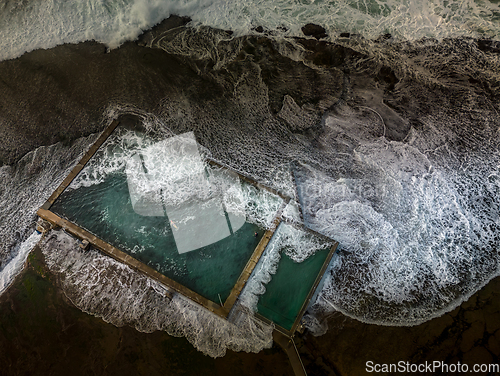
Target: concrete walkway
293,355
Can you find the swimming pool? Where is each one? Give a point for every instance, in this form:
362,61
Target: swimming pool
160,201
287,275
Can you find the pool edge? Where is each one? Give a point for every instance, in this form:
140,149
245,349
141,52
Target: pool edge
290,333
81,164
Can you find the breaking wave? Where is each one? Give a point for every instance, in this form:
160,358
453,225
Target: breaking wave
30,25
391,148
105,288
25,187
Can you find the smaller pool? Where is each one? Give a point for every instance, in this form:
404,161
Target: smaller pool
292,263
287,291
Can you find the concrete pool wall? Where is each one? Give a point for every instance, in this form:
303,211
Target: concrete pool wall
86,236
283,334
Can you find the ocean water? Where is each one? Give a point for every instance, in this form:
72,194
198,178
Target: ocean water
30,25
273,291
390,145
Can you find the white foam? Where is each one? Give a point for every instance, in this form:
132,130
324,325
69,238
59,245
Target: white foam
103,287
411,20
34,25
15,265
297,244
410,238
122,153
25,187
291,213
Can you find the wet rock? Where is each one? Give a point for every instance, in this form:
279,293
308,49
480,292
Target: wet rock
325,54
345,35
492,322
387,75
434,329
491,309
297,118
61,94
313,30
473,316
283,76
471,336
259,29
470,303
497,335
489,45
494,345
478,355
454,313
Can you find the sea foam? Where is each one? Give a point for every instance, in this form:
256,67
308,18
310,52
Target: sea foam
34,25
15,265
103,287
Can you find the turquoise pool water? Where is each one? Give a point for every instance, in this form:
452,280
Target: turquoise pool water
288,289
163,205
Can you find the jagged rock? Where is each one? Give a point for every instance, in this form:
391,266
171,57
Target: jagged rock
488,45
387,74
314,30
296,117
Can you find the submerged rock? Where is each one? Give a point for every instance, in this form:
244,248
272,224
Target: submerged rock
314,30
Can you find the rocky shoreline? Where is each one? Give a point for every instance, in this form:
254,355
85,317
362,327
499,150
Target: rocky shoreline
70,91
470,334
42,333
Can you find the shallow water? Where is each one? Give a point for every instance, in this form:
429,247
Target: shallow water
285,275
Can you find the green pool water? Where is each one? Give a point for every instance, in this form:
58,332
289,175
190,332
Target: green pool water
162,204
289,287
106,211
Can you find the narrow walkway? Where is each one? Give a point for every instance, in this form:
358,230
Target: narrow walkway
81,164
245,274
293,355
254,259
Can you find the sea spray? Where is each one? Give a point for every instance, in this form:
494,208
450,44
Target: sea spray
26,185
31,25
16,264
396,264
